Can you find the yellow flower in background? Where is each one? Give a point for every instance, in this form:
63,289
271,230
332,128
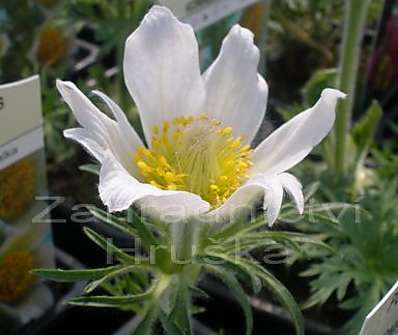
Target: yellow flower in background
24,249
253,18
17,184
15,277
52,45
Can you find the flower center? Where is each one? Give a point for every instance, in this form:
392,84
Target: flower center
14,195
197,155
52,46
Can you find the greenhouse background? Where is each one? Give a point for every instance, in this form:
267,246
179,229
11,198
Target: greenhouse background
303,240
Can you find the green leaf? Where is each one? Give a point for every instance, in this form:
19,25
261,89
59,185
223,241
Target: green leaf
343,286
330,207
240,273
248,244
181,314
229,279
289,111
284,296
320,294
312,271
73,275
198,293
310,190
235,231
112,220
169,326
168,298
288,237
111,301
145,327
152,310
119,271
315,218
364,131
143,230
92,168
319,80
231,231
255,240
172,305
107,245
276,287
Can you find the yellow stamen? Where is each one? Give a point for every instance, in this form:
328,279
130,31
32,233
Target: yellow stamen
195,154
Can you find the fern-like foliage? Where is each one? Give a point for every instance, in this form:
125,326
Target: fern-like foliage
362,264
164,291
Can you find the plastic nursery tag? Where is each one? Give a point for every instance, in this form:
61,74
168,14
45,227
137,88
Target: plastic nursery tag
202,13
25,237
21,131
383,319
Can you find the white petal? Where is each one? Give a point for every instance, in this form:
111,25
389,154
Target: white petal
294,188
236,93
161,69
242,203
119,190
273,195
129,133
293,141
86,113
129,138
243,200
273,199
100,133
87,140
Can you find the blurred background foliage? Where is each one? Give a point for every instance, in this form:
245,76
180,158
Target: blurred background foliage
306,27
83,40
362,266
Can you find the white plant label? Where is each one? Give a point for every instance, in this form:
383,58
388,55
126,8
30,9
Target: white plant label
383,319
203,13
21,131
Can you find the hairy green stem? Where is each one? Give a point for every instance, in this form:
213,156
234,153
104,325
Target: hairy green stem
354,26
183,238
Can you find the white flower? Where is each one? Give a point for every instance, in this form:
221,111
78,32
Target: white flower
198,128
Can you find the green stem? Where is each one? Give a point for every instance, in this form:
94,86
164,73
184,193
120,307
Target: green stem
182,241
184,237
161,285
355,21
263,35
